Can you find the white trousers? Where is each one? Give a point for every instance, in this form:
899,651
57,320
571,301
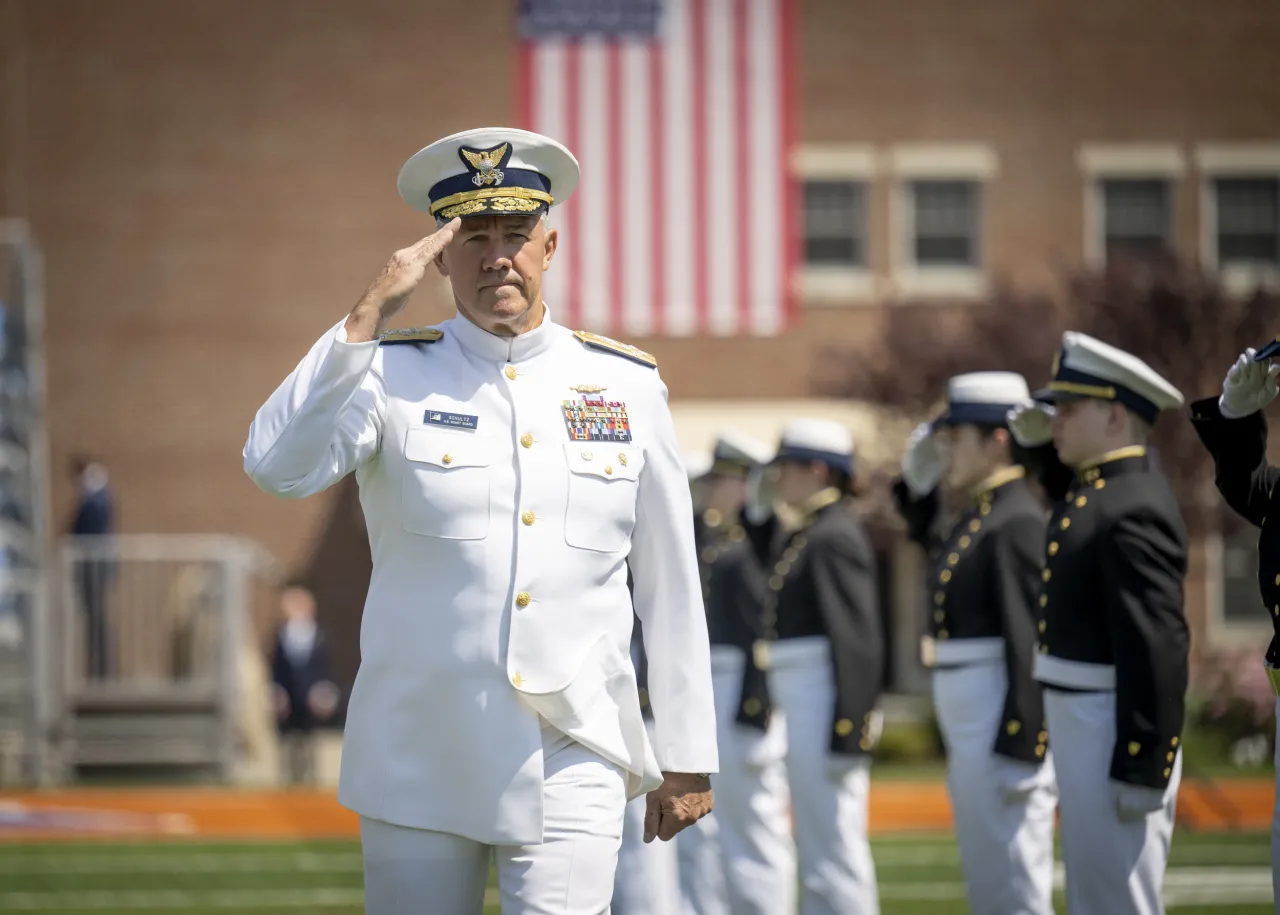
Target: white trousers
410,871
1113,866
752,801
1003,809
829,795
703,885
648,877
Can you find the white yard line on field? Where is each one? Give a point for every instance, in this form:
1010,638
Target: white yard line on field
197,863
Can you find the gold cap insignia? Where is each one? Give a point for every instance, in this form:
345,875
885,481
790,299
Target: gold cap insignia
486,163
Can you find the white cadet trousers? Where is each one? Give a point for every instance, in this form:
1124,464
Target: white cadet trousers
829,795
702,878
648,878
1006,842
752,800
411,871
1113,866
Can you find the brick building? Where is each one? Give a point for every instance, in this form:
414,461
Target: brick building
212,184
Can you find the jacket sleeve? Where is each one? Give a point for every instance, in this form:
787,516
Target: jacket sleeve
323,421
1054,476
1239,449
1016,573
668,600
1144,561
918,511
844,585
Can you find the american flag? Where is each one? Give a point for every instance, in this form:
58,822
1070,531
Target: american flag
680,114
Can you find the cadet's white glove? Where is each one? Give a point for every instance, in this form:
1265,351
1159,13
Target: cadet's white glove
1249,386
1015,778
922,461
1134,802
1031,423
762,490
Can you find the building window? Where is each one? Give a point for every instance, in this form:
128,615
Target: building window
1240,601
835,223
1137,217
945,223
1248,220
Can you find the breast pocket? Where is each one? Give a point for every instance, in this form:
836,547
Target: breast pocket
446,484
604,480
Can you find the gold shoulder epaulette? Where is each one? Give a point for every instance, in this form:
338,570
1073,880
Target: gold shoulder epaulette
411,335
626,350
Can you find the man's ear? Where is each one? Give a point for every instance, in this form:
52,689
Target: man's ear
440,266
549,247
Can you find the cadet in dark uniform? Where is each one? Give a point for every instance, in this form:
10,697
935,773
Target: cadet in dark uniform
1113,636
820,643
984,582
1234,430
753,837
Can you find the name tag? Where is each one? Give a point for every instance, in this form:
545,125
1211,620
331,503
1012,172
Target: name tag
452,420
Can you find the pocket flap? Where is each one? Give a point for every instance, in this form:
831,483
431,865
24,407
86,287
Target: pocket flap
606,460
447,450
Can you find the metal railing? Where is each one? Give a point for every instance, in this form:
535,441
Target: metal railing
152,635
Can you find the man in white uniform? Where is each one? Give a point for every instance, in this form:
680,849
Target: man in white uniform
510,469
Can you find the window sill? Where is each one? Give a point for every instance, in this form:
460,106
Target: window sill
835,286
940,282
1245,279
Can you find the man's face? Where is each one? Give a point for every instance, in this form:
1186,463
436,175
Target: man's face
298,604
726,494
969,455
495,266
1082,429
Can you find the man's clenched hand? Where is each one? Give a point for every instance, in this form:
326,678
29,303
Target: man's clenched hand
681,800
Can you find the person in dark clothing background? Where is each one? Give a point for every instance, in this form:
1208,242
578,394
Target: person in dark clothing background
304,694
94,517
983,585
1232,426
812,586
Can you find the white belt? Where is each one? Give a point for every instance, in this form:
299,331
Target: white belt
1073,674
968,651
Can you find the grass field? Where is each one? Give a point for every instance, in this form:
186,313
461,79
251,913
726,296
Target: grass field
918,874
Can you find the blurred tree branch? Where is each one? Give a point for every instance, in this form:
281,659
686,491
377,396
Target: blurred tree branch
1173,316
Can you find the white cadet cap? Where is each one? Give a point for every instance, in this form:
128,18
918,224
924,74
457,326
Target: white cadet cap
823,440
1089,368
737,454
489,171
696,464
983,398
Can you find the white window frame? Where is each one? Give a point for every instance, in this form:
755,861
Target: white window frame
1219,631
1101,162
911,162
826,285
1233,160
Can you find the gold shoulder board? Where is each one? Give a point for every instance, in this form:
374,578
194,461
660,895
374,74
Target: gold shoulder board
411,335
626,350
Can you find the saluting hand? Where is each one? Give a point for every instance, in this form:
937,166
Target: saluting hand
1031,424
390,291
1248,387
922,462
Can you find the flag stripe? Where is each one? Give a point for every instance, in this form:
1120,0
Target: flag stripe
614,109
748,169
656,153
684,220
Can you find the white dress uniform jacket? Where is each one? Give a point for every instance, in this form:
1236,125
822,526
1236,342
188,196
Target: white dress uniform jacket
500,546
